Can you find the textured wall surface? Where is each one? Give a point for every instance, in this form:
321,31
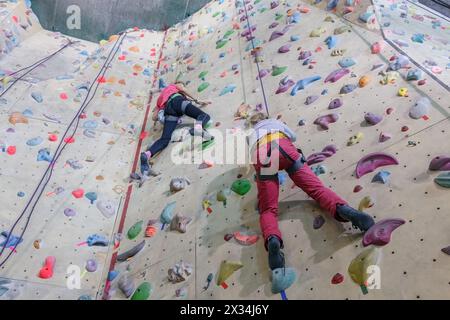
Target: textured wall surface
101,18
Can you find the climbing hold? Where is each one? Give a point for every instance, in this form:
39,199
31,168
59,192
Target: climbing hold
360,267
443,180
179,223
244,239
336,103
134,230
263,73
440,163
342,29
12,242
37,96
366,202
97,240
403,92
337,278
318,170
415,74
355,139
376,48
382,177
47,270
203,86
346,62
420,108
78,193
17,117
126,285
131,253
363,81
91,196
446,250
372,118
285,48
69,212
167,213
347,88
142,292
311,99
324,121
357,188
380,233
336,75
285,84
241,186
282,278
276,71
317,32
228,89
221,197
295,38
221,43
338,52
228,237
179,273
331,41
21,194
112,275
304,55
384,137
318,222
107,208
91,265
303,83
373,161
178,184
226,270
11,150
327,152
35,141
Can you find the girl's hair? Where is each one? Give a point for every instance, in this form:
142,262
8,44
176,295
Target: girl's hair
257,117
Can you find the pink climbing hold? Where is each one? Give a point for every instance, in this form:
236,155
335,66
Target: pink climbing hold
78,193
380,233
440,163
47,270
373,161
376,48
53,137
336,75
11,150
245,240
64,96
327,152
324,121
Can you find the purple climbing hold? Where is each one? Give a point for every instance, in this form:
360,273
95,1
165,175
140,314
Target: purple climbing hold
318,222
384,137
91,265
304,55
275,35
327,152
348,88
446,250
285,84
273,25
373,161
372,118
380,233
336,75
285,48
440,163
336,103
324,121
311,99
263,73
69,212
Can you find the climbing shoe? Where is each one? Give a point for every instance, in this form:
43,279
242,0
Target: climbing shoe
276,256
145,166
359,219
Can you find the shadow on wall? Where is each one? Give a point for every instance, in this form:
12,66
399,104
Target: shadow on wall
98,19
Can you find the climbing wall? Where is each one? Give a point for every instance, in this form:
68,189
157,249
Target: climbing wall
211,52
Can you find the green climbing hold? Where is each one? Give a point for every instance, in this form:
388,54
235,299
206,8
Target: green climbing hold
221,43
215,14
134,231
278,16
203,86
276,71
207,144
142,292
443,179
202,75
241,187
228,33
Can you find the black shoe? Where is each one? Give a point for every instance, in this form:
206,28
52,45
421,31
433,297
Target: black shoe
359,219
276,256
145,167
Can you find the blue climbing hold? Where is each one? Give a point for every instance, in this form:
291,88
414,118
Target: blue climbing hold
112,275
382,177
332,4
21,194
37,96
167,214
415,74
282,177
443,179
12,241
348,88
35,141
318,170
97,240
27,113
331,42
44,155
162,84
418,37
228,89
303,83
282,278
346,62
90,124
91,196
295,38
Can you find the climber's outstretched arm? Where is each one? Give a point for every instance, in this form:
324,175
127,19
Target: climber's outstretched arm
191,97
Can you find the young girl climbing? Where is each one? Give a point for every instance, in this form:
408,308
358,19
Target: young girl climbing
173,102
272,149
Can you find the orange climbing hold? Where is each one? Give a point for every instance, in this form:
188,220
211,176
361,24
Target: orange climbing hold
17,117
150,231
47,270
134,49
363,81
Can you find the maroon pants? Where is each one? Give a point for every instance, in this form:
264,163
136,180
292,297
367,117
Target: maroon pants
304,178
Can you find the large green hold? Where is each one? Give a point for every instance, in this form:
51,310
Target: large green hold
143,292
202,75
228,33
221,44
203,86
241,187
276,71
443,179
134,231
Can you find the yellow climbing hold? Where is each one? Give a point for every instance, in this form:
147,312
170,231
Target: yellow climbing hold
365,203
226,270
317,32
355,139
362,266
403,92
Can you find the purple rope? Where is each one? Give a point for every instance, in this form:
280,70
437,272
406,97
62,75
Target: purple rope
256,60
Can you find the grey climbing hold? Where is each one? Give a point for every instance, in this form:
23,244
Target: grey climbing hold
415,74
131,253
382,177
179,223
420,108
107,208
372,118
311,99
126,285
348,88
37,96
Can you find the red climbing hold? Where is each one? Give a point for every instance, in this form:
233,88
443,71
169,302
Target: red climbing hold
405,128
357,188
122,58
228,237
64,96
69,140
16,20
11,150
47,270
78,193
337,278
143,135
53,137
101,79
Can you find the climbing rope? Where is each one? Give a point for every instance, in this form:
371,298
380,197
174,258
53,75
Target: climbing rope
61,146
33,66
256,60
